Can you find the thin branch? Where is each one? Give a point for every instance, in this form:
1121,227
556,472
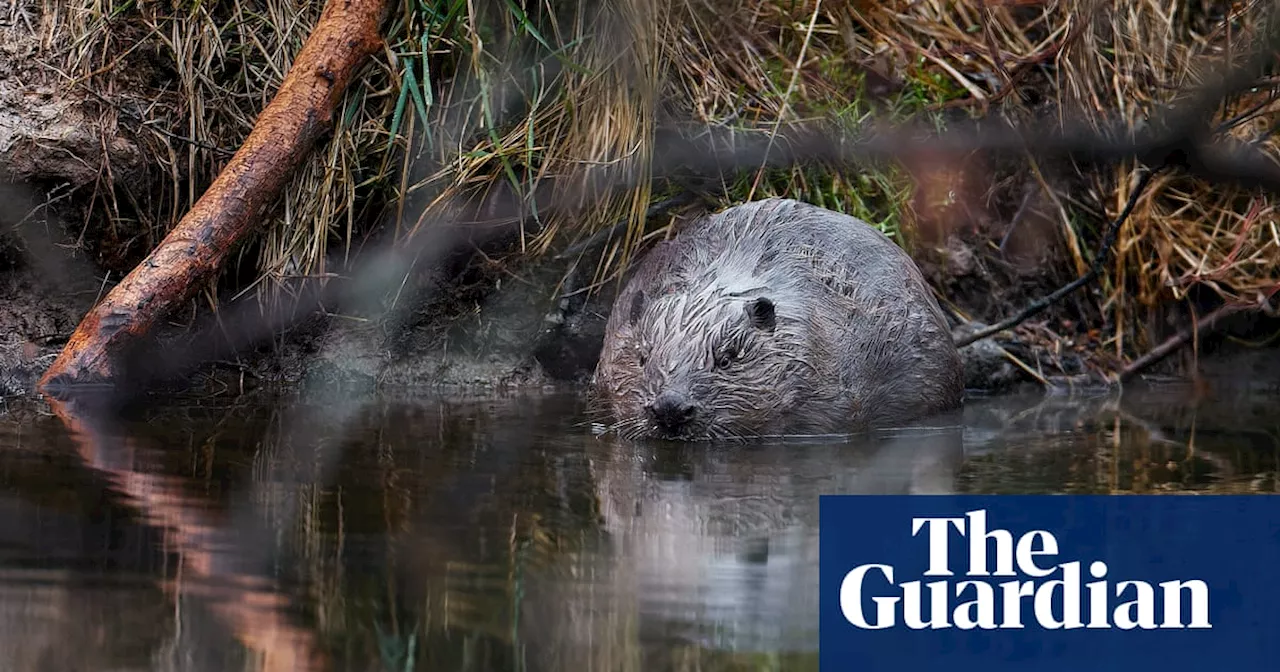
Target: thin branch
1180,339
1095,269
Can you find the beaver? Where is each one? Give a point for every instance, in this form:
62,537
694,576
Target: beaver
774,316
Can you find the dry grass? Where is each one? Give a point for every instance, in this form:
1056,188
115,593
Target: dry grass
588,85
470,94
1094,58
211,67
1185,232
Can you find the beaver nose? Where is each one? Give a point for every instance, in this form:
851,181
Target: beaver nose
671,409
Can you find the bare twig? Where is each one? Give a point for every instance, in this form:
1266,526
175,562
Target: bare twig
1173,343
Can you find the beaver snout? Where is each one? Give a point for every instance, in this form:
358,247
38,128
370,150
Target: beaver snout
671,410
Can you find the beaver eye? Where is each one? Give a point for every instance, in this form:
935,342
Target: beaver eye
726,357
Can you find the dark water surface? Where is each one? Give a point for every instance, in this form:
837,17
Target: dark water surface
501,533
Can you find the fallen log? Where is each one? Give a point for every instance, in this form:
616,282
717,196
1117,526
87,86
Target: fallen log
348,32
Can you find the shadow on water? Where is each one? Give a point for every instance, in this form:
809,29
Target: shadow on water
398,533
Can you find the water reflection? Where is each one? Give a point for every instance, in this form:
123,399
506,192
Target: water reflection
721,544
400,533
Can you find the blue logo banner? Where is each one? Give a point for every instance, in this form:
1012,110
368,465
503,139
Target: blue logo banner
1047,583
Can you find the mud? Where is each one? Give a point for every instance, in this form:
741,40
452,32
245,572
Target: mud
34,321
496,332
77,146
44,291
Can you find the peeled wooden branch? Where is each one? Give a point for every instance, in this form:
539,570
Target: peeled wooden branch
347,33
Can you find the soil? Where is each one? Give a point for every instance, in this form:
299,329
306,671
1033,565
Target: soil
43,290
480,328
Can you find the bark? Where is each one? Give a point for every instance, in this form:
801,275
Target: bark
301,112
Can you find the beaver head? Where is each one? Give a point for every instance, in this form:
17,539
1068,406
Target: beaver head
701,362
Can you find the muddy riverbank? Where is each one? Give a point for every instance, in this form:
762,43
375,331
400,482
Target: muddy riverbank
84,199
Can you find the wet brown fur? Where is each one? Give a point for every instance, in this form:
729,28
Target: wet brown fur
854,340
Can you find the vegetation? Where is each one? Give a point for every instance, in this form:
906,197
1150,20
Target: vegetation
469,95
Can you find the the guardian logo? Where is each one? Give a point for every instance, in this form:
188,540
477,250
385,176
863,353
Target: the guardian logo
1036,587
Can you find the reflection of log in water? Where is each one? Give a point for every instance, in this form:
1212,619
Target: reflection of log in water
227,573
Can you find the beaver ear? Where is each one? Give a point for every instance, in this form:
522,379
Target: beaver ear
637,308
761,314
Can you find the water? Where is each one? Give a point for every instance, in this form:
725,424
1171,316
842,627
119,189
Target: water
501,534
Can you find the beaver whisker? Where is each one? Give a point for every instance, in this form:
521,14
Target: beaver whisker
631,431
